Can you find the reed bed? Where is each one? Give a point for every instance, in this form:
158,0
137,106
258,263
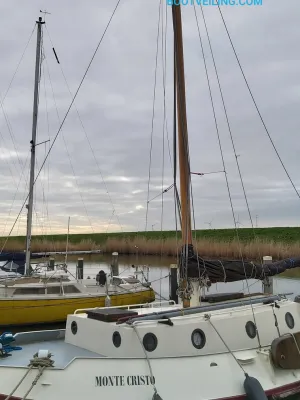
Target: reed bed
253,250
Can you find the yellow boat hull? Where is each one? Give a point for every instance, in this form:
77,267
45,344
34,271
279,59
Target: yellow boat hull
15,312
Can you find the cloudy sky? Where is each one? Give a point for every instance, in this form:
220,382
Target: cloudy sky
98,175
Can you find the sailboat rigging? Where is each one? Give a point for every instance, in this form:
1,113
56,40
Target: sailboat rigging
239,349
192,266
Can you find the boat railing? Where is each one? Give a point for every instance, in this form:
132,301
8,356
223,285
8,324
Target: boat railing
128,307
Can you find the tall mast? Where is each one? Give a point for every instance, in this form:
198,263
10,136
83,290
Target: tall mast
183,145
33,142
183,150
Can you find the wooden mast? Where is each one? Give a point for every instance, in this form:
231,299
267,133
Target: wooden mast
183,146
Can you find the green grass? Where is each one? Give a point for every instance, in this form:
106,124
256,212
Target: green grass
279,234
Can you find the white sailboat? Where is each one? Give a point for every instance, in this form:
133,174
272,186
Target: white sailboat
232,349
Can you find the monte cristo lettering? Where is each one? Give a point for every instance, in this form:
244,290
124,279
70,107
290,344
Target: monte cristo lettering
121,380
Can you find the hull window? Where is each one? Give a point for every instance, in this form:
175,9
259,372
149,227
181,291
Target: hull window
289,319
116,338
150,342
250,329
74,327
198,339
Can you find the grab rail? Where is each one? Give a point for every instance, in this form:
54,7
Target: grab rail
128,307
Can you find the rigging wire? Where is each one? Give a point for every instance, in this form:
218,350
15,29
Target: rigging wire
16,192
66,115
164,65
230,131
255,104
18,65
220,144
161,194
153,114
86,135
67,150
46,171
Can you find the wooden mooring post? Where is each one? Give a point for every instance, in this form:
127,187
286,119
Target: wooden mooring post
115,264
51,263
268,281
79,269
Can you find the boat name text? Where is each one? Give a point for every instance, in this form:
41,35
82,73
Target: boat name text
121,380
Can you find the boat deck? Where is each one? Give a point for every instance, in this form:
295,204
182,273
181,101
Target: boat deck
63,353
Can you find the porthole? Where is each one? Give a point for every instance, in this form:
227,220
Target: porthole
150,341
74,327
198,338
250,329
116,338
289,319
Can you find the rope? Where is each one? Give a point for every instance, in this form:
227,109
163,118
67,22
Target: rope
156,395
36,362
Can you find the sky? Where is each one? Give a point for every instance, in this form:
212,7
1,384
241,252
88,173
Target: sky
97,172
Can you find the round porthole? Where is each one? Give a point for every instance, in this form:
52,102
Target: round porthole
250,329
116,338
74,327
289,319
198,338
150,341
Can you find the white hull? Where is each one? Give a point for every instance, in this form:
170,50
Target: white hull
174,379
87,364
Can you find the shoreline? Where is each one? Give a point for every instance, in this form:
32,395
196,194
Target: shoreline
211,243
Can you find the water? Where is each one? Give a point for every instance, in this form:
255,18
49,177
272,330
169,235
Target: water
159,274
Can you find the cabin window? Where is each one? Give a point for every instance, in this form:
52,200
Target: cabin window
250,329
198,338
71,289
74,327
29,290
150,342
116,338
53,290
289,319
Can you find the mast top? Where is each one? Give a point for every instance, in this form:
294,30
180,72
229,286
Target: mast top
40,21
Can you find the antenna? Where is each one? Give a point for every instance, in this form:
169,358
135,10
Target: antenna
45,12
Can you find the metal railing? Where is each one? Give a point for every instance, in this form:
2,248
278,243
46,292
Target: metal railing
128,307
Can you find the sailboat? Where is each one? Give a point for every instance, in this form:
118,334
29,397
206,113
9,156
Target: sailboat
39,298
231,349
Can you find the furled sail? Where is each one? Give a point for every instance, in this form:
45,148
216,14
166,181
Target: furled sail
233,270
